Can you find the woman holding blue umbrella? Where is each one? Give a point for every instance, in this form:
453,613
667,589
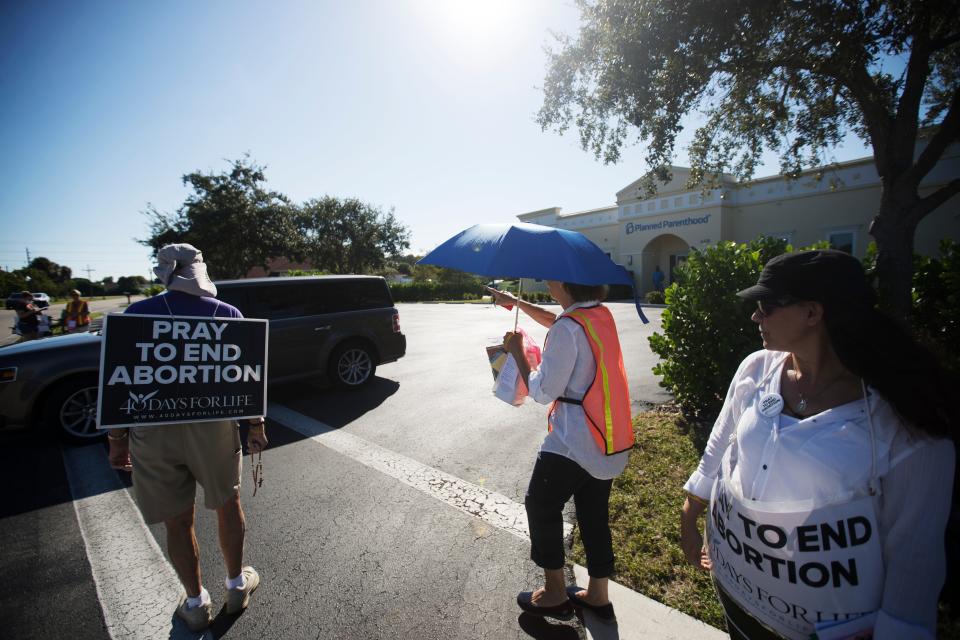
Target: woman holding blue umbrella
586,447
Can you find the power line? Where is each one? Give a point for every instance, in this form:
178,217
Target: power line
89,271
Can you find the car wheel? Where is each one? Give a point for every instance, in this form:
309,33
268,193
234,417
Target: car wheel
70,410
352,365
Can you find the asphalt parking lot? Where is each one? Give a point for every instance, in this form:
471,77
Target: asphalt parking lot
385,513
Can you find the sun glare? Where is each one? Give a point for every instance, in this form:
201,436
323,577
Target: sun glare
478,29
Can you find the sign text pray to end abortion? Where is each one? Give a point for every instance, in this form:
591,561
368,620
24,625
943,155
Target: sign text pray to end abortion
158,369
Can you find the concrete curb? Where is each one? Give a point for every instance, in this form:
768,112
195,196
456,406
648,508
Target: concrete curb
640,618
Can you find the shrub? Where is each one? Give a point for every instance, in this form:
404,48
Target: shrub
936,300
153,290
655,297
707,329
427,291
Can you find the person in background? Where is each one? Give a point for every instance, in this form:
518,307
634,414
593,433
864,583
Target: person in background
589,438
658,278
828,474
76,314
28,317
168,461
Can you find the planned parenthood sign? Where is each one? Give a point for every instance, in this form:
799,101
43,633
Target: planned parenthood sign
164,370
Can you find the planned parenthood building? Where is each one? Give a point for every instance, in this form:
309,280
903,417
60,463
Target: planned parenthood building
834,204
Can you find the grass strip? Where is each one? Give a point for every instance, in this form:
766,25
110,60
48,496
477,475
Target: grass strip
645,519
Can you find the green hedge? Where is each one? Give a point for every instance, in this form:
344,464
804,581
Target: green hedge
655,297
936,303
936,300
707,329
429,291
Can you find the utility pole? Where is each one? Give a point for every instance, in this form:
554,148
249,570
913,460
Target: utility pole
28,256
89,271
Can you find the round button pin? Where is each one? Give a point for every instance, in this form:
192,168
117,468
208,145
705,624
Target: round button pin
770,405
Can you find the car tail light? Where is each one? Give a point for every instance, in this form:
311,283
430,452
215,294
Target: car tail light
396,322
9,374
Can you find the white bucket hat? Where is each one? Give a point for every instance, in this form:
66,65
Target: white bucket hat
180,267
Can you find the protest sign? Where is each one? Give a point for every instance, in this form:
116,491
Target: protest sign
164,370
796,569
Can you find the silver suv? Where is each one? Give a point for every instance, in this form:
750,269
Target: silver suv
343,326
338,326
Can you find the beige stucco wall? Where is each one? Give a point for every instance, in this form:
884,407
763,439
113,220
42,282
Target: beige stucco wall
641,233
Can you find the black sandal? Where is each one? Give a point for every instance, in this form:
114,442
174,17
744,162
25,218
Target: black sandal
604,612
559,611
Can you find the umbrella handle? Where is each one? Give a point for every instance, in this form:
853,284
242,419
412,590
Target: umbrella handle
516,320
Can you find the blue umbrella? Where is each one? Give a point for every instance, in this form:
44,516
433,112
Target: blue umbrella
523,250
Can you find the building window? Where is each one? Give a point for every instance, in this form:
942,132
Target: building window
692,199
664,204
842,240
651,206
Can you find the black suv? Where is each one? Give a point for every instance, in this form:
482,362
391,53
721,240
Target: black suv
341,325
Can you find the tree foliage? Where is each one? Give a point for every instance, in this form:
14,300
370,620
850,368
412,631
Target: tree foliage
231,216
793,77
347,236
239,224
43,274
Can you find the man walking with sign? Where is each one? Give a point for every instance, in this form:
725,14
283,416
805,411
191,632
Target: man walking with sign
168,460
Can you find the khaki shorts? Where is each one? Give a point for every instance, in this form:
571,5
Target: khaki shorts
169,460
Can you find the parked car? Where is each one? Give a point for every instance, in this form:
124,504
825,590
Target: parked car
343,326
340,327
41,300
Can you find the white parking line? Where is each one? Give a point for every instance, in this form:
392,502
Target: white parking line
491,507
137,588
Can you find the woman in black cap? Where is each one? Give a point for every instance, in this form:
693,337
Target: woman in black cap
828,473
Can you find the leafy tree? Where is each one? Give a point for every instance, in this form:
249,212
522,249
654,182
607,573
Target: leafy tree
86,287
53,271
231,216
130,283
790,76
348,236
37,280
12,281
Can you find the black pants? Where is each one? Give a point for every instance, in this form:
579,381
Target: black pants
740,624
555,479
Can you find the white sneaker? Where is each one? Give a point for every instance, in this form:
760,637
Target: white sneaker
238,599
197,618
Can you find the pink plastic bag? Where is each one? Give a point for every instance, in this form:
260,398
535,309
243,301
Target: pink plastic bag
508,385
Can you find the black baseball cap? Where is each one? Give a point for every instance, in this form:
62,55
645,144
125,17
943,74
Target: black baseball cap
824,275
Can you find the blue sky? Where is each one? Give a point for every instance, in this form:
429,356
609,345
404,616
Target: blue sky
425,106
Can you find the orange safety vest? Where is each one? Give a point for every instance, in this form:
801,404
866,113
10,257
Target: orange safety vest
78,311
606,404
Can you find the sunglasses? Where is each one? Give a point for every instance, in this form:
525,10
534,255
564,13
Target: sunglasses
767,307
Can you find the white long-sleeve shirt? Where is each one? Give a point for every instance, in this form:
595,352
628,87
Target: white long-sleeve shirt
567,369
826,458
